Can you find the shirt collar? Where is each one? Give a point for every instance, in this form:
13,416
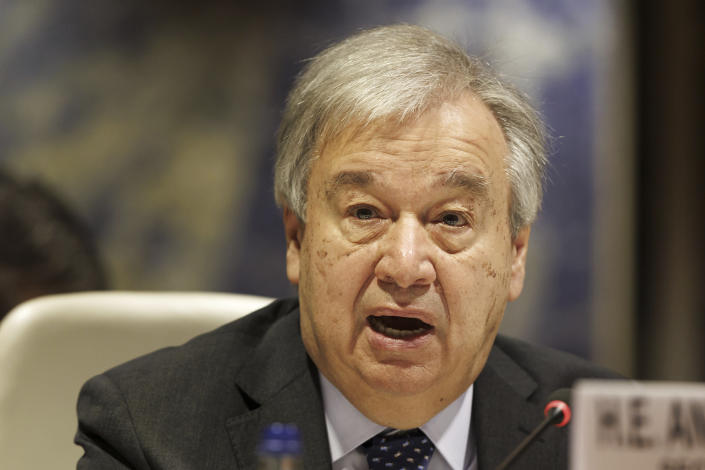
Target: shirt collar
347,428
449,430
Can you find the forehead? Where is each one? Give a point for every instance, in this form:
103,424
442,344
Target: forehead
454,138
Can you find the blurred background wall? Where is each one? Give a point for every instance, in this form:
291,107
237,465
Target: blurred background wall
670,146
155,120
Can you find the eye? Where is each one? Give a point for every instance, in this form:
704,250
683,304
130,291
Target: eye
364,213
453,219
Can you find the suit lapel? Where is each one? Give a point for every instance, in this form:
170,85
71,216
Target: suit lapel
283,385
502,415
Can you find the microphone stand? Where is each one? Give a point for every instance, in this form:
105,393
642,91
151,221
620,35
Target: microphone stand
553,415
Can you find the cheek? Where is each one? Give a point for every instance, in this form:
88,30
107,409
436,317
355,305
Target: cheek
332,278
334,271
478,288
483,269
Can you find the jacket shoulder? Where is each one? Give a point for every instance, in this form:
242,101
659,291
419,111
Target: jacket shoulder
231,342
205,364
549,367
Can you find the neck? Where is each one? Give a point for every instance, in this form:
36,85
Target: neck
401,411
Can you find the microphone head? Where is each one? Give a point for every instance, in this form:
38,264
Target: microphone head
559,405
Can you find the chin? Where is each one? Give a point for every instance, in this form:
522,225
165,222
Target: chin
394,380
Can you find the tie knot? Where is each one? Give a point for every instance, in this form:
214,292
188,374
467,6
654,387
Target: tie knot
399,450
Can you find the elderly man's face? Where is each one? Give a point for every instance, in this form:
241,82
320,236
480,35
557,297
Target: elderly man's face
406,262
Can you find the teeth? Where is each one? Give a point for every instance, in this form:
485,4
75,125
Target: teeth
381,325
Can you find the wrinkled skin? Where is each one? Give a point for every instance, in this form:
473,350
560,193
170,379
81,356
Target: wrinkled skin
408,221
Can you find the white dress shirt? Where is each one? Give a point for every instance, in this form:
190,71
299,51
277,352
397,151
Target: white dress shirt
449,431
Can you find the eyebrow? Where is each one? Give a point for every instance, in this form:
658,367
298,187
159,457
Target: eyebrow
355,179
475,184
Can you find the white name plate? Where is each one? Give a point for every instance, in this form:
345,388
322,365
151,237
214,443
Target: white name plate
637,425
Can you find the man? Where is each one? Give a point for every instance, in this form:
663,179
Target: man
409,176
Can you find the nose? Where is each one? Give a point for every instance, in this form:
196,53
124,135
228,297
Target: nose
406,254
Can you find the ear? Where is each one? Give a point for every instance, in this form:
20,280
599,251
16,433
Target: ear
293,230
520,246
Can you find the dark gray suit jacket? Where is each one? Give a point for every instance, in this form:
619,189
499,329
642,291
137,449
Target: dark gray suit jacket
201,406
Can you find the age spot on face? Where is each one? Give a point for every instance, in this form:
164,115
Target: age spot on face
489,270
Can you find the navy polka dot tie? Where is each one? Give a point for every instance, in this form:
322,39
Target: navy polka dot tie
399,450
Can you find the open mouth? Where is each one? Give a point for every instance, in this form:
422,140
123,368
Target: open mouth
398,327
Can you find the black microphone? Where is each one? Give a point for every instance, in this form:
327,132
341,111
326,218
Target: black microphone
557,412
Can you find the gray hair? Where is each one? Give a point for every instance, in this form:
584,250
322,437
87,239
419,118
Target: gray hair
396,73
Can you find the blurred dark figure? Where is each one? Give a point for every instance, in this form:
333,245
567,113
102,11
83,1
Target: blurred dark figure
44,248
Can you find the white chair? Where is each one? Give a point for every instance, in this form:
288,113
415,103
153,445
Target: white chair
50,345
